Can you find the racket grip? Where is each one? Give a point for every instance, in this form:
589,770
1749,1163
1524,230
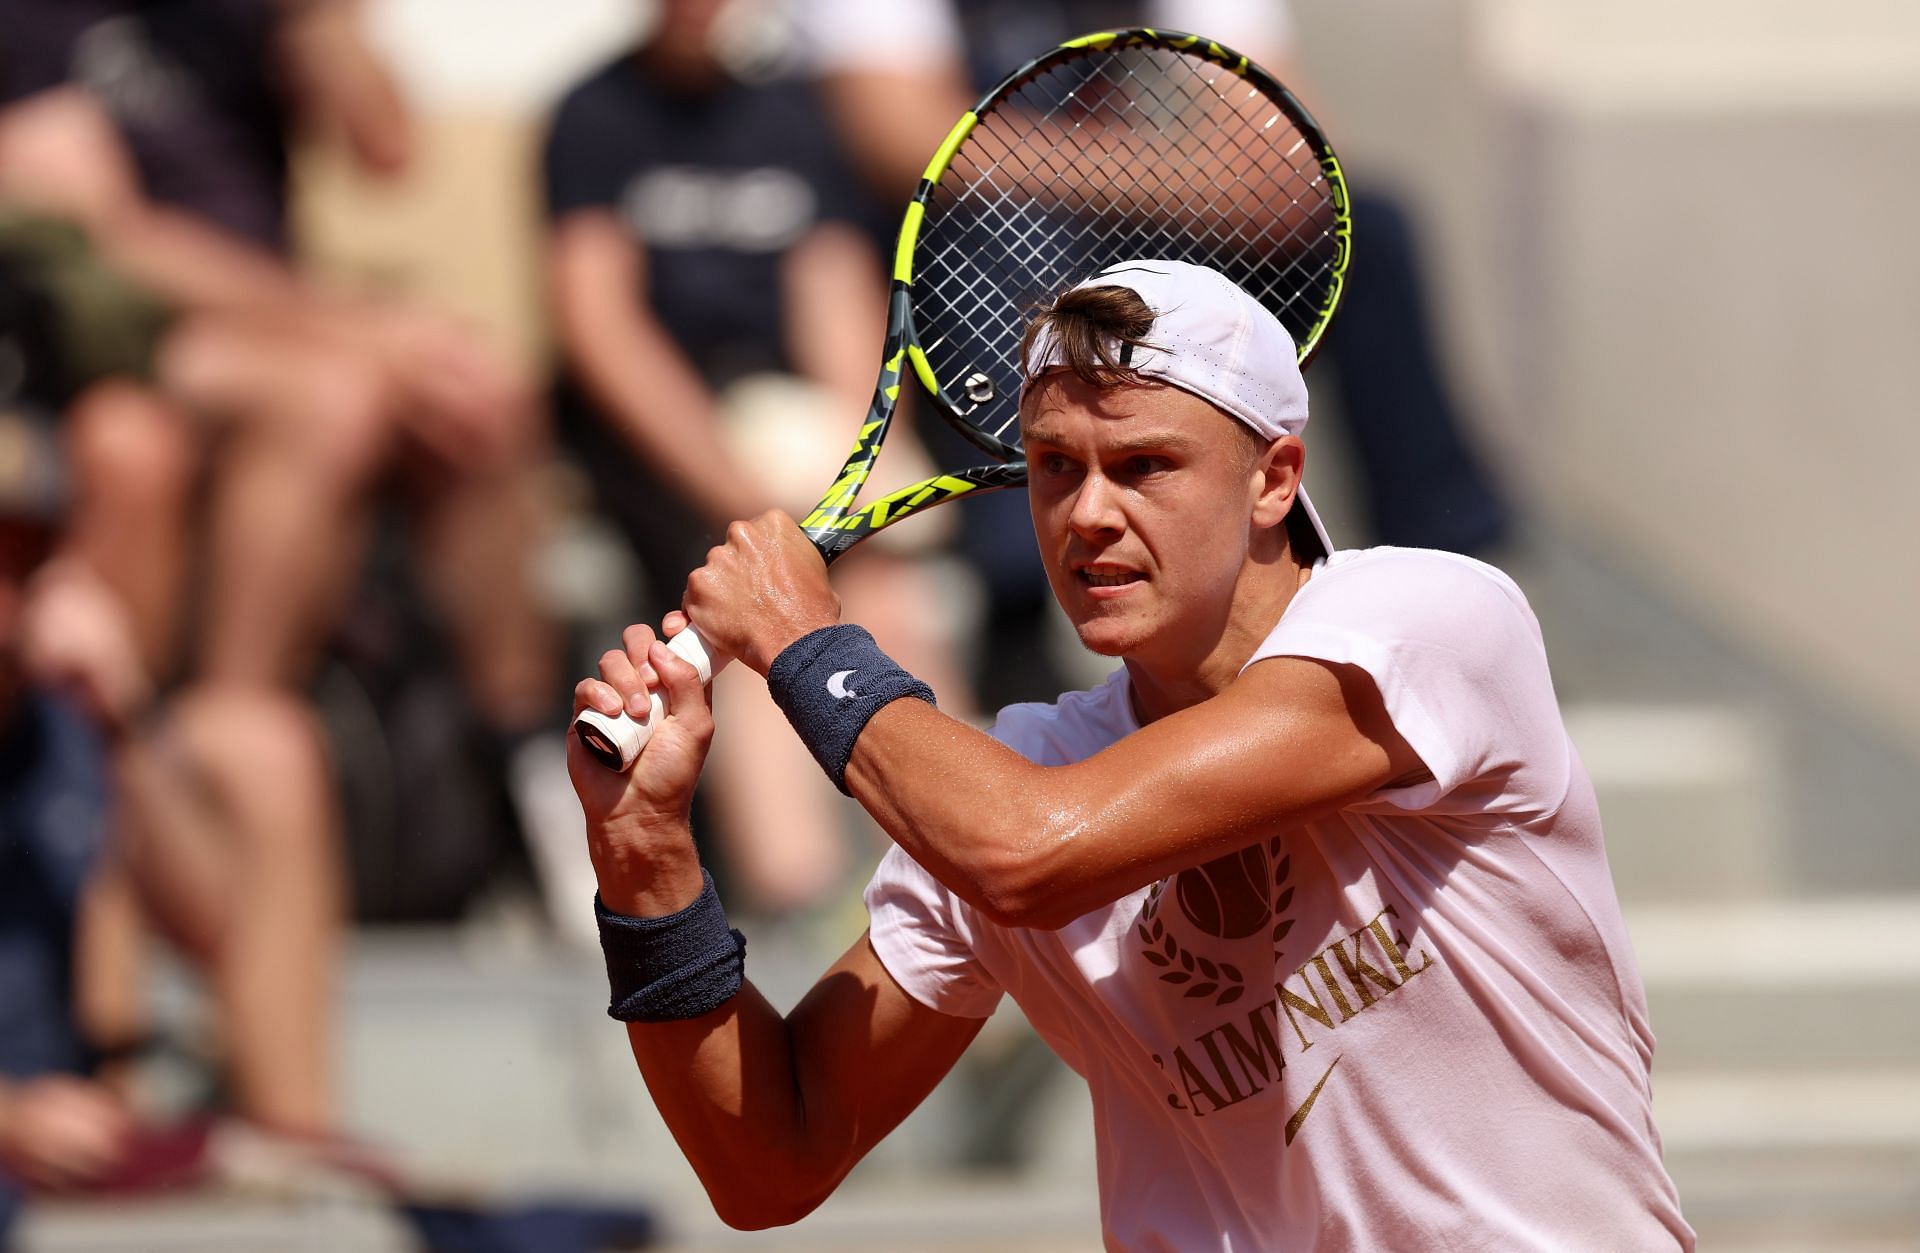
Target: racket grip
615,740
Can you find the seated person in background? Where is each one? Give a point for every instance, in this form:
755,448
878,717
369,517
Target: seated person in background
216,817
55,1127
226,834
186,195
720,307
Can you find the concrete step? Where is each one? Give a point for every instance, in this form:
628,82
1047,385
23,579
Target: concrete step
940,1215
1830,984
1787,1074
1689,794
1796,1159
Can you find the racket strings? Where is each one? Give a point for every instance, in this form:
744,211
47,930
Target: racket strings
1142,153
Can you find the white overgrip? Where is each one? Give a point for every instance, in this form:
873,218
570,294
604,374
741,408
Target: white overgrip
615,741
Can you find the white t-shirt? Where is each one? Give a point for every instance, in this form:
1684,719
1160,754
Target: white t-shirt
1415,1023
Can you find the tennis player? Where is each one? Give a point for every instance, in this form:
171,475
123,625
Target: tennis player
1311,891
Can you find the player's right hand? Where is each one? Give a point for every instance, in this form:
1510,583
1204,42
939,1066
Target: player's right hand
637,822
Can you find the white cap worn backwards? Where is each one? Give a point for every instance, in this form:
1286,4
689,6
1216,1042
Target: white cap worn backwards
1209,338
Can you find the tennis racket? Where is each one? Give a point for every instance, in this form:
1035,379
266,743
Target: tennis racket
1113,146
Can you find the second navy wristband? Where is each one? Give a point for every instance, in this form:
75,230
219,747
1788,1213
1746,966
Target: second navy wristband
674,967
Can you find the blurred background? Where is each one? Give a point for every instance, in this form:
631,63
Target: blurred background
366,364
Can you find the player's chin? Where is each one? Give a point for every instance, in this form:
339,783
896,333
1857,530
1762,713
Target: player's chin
1102,647
1106,634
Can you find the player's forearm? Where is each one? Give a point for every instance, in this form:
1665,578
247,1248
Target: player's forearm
727,1085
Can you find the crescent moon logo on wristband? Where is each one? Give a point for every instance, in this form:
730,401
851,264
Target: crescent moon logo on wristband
837,685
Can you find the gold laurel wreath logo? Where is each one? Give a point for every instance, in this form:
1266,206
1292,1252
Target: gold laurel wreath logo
1198,975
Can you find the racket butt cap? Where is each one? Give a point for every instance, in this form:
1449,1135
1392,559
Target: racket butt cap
614,742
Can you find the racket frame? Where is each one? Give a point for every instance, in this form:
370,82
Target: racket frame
838,521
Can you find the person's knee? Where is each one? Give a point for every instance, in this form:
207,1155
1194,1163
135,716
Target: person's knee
129,446
249,737
484,392
513,425
347,416
327,404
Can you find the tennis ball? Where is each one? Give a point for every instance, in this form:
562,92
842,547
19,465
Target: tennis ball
1227,897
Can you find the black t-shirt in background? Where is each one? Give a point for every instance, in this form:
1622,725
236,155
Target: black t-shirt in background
191,84
716,185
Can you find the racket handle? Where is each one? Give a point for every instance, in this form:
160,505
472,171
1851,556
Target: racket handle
615,741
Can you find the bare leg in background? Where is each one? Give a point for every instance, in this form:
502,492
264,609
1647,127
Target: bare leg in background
232,841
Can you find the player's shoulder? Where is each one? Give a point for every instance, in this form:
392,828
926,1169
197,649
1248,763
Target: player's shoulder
1371,599
1069,729
1420,575
1389,561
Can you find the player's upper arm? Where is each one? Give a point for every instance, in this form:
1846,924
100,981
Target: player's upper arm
1290,739
1415,669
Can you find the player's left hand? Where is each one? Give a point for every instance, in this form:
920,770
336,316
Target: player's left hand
761,590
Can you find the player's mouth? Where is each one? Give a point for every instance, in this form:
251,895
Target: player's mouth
1108,580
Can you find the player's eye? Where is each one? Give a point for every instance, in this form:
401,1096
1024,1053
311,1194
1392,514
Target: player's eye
1143,466
1053,463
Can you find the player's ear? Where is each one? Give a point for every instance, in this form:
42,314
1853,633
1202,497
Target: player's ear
1277,474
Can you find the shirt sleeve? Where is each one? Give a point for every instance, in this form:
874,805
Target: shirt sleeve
581,170
921,933
1459,663
929,939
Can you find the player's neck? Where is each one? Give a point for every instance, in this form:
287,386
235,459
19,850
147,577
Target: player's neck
1201,665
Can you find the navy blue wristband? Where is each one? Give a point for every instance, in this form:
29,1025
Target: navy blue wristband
829,682
679,966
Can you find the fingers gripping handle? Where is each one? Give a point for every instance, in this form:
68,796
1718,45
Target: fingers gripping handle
615,741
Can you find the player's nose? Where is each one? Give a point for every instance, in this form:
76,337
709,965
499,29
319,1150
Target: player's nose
1095,507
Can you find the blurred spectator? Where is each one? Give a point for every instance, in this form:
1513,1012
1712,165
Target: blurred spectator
720,308
316,398
53,819
162,340
221,827
203,95
241,775
897,75
146,386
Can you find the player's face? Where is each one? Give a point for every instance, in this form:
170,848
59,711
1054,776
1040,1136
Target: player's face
1142,498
